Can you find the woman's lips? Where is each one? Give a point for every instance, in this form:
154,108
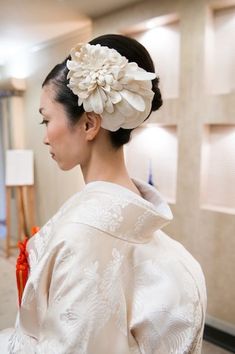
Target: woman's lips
52,155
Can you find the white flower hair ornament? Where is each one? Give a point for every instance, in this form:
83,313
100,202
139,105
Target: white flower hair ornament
107,84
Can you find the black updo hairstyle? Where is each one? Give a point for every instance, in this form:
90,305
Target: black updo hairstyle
129,48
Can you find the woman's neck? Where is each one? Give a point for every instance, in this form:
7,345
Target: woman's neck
109,166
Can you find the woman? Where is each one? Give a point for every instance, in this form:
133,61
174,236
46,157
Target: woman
104,279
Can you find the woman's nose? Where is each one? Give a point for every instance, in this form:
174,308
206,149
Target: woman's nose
45,140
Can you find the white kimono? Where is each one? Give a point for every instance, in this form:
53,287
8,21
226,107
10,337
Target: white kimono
104,279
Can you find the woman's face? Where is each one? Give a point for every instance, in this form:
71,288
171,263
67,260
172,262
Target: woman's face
66,143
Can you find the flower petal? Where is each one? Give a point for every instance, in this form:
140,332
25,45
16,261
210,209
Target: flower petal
97,102
112,121
140,75
133,99
125,108
115,97
87,104
109,106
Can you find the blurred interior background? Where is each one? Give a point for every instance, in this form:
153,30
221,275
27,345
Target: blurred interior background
188,146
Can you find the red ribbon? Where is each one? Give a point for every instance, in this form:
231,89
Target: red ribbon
22,268
22,265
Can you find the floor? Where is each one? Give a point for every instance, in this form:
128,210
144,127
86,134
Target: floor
8,301
209,348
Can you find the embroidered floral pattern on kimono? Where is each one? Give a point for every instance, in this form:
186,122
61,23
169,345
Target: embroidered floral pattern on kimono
104,278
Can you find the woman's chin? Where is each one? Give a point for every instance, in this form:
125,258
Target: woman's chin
65,167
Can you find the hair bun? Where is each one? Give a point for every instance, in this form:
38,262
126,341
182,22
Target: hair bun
157,98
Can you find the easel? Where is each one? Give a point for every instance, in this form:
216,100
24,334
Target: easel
25,210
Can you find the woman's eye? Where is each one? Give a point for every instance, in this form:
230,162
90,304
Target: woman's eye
44,121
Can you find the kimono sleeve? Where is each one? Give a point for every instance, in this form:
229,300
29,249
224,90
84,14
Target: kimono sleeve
83,313
13,341
168,309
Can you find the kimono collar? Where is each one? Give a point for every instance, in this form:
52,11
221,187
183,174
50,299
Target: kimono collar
120,212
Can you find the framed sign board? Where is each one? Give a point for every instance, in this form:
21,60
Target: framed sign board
19,168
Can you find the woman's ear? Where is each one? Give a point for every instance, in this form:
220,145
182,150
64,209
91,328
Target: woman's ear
92,125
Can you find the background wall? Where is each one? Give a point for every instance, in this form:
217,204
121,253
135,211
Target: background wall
208,234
